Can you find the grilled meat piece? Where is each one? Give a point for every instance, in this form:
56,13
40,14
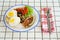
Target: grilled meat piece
27,21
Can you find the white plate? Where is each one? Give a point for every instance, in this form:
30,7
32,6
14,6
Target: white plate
19,28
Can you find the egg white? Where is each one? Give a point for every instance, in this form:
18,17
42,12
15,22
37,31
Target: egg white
16,21
14,12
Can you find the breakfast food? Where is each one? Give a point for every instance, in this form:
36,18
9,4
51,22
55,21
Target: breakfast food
14,21
20,15
27,21
12,13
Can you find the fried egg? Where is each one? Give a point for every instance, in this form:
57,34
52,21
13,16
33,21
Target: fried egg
14,21
12,13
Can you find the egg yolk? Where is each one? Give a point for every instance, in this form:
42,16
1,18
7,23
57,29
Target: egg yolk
11,14
11,21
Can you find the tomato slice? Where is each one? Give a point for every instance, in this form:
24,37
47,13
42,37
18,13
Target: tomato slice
23,11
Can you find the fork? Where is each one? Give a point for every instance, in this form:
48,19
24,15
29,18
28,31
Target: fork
48,20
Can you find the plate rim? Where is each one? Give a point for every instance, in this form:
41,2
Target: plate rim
20,30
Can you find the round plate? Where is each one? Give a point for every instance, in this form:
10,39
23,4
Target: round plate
18,28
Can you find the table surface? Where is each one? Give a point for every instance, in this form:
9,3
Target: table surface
34,34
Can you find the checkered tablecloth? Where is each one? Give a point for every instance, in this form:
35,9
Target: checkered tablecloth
34,34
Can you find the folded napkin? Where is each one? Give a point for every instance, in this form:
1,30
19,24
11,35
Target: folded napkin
44,22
